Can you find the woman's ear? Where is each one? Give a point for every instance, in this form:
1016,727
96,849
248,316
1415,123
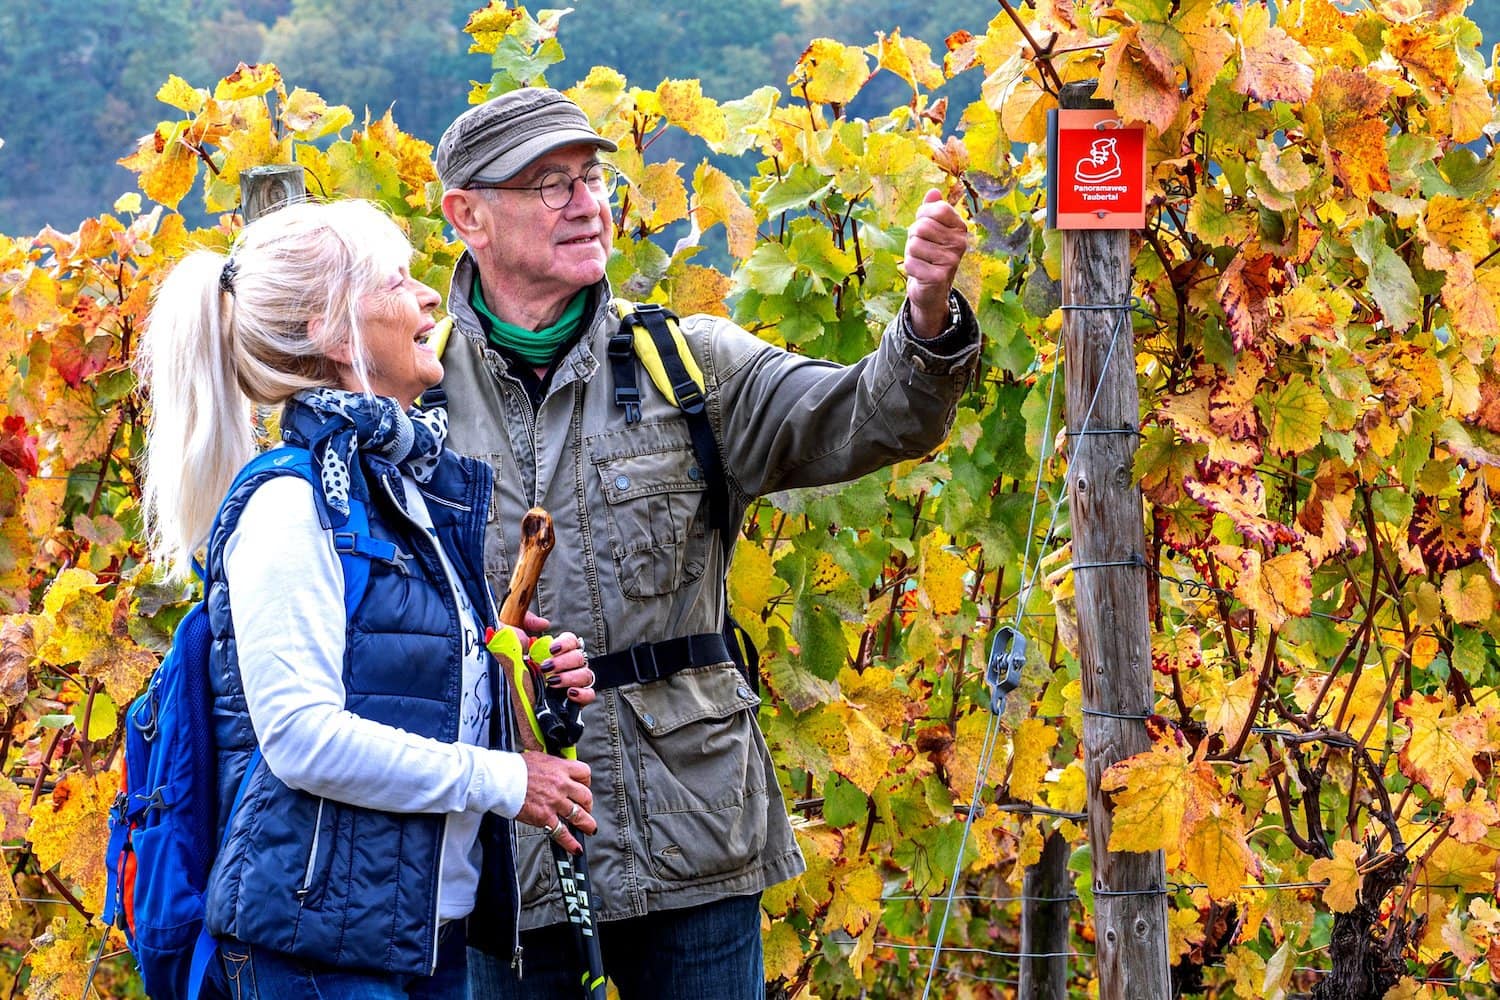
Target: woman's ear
340,353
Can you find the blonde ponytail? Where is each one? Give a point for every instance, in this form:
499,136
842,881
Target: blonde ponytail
223,336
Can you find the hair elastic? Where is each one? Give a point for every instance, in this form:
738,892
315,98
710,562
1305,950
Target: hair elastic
226,276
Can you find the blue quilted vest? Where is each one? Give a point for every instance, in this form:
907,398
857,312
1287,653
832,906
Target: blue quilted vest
339,884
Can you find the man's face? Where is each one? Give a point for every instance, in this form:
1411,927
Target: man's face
540,256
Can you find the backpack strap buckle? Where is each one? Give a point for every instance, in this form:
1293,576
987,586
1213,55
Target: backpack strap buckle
621,353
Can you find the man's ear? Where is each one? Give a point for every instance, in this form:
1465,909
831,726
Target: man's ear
468,213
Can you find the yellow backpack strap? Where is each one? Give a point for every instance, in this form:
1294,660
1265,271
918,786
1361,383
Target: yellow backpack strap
643,319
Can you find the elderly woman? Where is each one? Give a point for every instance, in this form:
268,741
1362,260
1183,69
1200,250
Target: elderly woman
367,748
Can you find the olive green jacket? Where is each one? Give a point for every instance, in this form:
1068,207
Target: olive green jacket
686,798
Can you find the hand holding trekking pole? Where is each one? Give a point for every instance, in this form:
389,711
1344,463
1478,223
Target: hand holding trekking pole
548,719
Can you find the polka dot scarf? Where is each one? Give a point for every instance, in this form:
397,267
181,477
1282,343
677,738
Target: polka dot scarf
337,425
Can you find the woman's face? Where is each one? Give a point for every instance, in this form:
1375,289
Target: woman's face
397,321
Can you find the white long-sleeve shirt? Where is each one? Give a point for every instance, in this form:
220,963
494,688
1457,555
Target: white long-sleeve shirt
286,589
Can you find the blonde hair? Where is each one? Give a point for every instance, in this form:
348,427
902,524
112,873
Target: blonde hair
255,326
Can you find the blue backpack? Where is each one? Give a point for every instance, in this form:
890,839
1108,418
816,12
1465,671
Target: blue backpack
162,837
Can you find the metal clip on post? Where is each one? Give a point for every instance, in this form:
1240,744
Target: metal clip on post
1007,656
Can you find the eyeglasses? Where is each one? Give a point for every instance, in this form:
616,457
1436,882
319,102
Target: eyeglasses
556,186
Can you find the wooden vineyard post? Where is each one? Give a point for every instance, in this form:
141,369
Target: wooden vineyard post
265,189
1110,580
1045,923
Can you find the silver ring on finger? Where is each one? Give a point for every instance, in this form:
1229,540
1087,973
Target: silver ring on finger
572,814
557,831
551,830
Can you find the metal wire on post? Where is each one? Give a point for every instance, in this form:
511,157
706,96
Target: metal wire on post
1031,574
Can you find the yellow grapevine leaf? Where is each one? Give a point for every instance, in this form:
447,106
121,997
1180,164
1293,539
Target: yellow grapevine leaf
664,193
1273,65
489,25
59,959
1298,411
1470,109
68,826
856,897
782,950
1342,873
1317,24
752,578
908,58
12,810
1301,314
1471,299
1472,820
865,755
72,602
310,117
1140,74
1216,851
877,693
700,290
1244,292
1151,792
829,72
1242,496
247,81
1468,596
1023,106
183,96
166,166
1467,867
1431,59
1350,104
1226,703
1279,588
1440,751
1031,757
34,300
1069,792
942,576
716,200
683,104
7,897
1184,931
1457,224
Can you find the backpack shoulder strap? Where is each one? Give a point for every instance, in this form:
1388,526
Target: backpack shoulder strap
353,541
652,334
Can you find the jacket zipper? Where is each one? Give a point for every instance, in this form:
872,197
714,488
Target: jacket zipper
437,894
312,855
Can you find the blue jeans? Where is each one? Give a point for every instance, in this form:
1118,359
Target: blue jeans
713,950
245,972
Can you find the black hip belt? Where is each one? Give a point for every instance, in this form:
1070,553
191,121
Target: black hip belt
651,661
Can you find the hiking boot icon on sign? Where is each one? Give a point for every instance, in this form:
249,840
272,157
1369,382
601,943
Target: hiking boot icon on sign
1102,163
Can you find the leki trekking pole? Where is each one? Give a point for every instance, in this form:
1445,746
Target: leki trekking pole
548,721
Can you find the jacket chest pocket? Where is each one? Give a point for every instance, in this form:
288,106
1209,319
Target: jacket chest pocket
654,492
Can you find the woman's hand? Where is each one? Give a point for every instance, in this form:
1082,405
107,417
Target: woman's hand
567,668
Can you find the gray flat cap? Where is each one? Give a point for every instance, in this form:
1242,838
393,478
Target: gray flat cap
494,141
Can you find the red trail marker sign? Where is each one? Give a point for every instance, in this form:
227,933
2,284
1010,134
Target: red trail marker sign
1096,171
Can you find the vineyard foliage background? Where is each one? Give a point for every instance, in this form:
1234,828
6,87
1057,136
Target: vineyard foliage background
1317,335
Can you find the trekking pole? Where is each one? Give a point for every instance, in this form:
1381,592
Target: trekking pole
549,721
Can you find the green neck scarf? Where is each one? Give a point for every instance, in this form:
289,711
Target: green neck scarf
535,347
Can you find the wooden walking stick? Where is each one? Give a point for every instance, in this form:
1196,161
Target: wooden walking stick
548,721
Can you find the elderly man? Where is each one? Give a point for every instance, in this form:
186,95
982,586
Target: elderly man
692,826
